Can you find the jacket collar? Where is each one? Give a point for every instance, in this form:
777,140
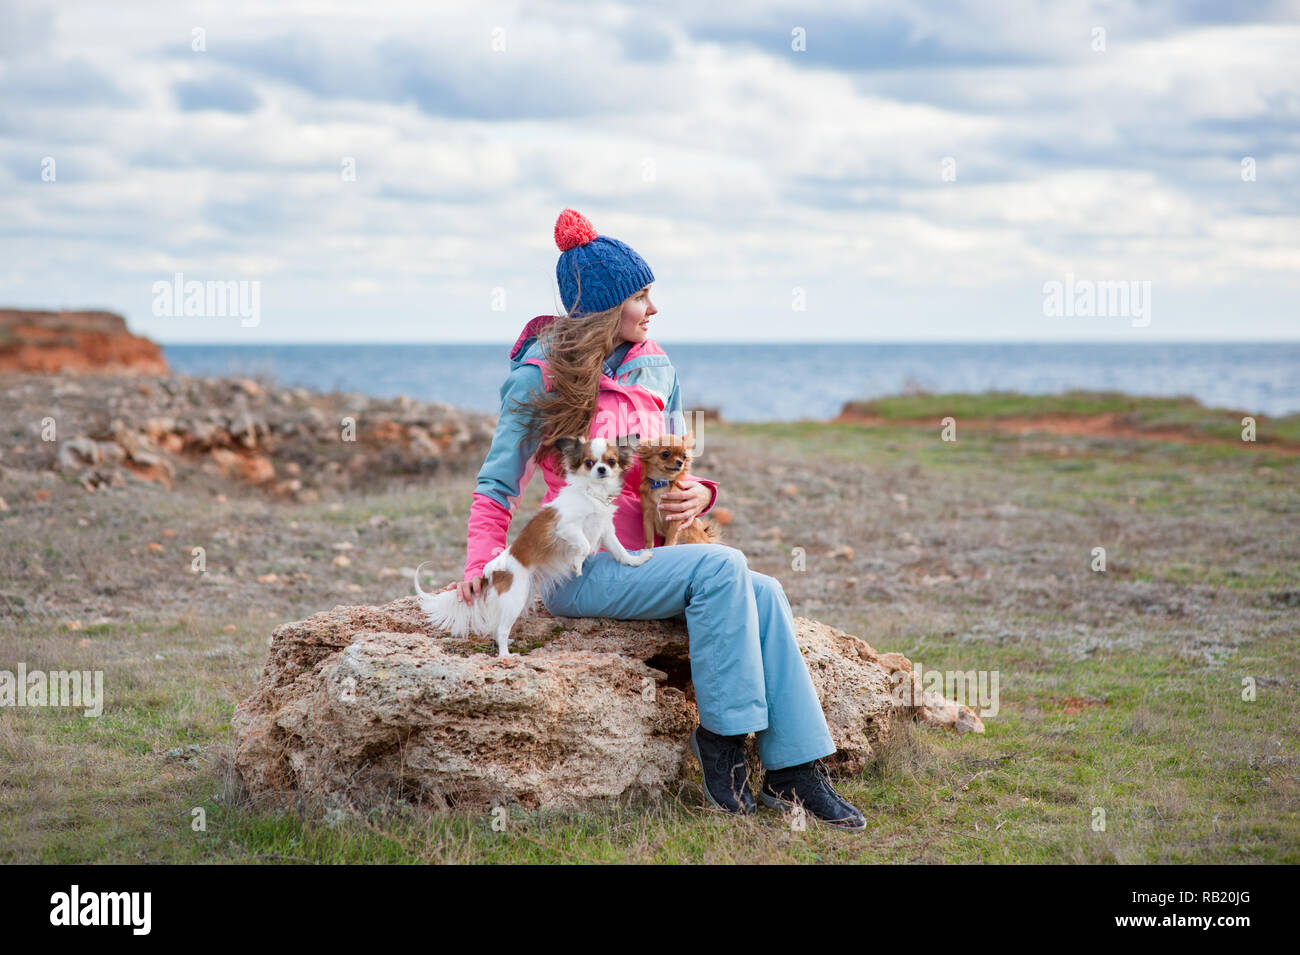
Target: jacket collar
531,330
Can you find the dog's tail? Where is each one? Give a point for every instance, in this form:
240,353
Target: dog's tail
700,531
448,613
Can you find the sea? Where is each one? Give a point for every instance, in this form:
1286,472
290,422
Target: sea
790,382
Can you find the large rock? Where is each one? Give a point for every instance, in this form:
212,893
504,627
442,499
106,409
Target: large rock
74,341
360,705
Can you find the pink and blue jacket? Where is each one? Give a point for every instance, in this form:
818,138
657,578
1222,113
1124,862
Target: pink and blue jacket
642,399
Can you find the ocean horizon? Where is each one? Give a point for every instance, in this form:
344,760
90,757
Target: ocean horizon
773,381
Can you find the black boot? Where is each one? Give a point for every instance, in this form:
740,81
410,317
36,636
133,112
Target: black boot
726,774
809,785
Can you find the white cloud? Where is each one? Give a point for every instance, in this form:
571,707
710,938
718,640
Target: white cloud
725,160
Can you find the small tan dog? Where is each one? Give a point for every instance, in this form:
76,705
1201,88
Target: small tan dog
663,461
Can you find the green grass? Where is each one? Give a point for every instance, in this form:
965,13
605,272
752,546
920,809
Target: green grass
1145,413
1116,692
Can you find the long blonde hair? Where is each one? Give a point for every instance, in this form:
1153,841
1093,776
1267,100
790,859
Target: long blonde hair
575,347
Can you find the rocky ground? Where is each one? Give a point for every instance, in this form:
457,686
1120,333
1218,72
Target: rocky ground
206,432
85,342
1122,688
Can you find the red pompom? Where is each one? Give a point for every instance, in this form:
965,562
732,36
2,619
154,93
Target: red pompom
572,228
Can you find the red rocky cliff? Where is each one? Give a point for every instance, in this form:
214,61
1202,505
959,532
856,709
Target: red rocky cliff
74,341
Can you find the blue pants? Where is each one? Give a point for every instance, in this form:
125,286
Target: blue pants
748,672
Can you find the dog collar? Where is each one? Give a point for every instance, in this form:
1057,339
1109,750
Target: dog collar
655,485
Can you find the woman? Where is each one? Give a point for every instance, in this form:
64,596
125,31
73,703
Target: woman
594,371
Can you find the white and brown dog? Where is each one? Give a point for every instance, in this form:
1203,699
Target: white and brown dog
550,548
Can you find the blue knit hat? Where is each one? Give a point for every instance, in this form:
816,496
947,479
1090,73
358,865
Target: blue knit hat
602,270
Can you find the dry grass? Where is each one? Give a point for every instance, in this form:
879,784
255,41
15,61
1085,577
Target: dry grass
1119,691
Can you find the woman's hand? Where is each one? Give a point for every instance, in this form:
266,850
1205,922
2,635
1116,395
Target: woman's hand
685,504
469,590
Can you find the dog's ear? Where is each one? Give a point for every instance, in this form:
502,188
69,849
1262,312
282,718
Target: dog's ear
570,450
633,445
627,450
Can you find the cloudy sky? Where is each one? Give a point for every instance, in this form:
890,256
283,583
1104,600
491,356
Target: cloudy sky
910,171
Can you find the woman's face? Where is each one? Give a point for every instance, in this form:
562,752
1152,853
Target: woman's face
635,322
